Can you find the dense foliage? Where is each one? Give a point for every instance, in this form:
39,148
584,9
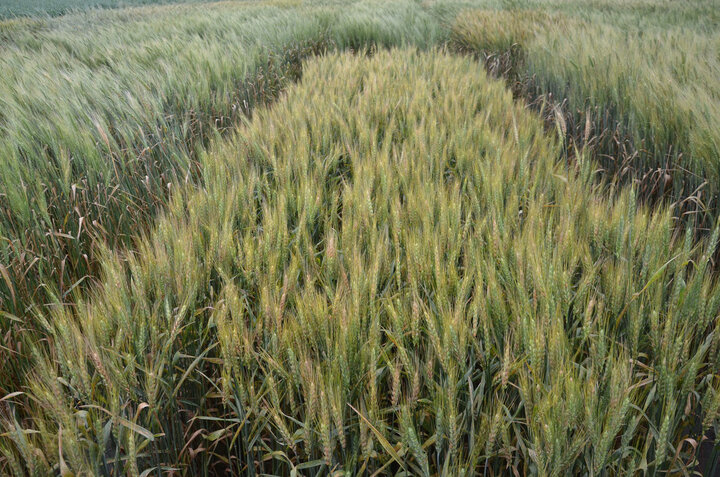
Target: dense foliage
618,76
220,254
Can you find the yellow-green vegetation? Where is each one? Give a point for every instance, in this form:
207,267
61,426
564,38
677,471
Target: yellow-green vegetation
390,270
462,240
638,80
102,114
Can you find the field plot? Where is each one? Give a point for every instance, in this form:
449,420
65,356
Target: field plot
639,81
361,238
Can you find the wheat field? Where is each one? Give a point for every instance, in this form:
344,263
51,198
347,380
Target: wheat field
360,238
